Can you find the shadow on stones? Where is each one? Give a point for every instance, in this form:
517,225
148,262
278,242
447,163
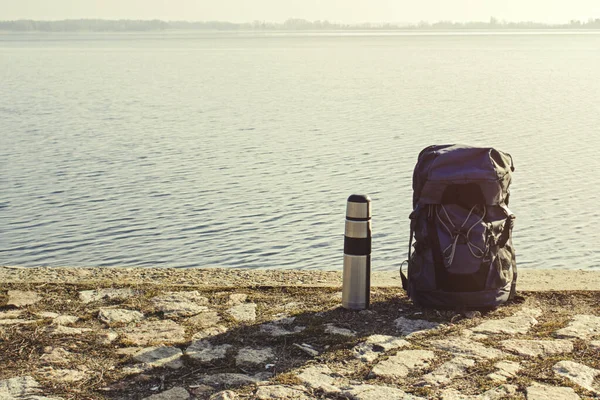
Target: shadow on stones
322,332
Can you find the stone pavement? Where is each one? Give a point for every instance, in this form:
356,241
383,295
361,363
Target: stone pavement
145,343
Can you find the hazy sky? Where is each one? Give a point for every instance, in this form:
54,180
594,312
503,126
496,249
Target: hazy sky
349,11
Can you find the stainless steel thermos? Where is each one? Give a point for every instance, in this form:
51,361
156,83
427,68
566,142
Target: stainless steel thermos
356,287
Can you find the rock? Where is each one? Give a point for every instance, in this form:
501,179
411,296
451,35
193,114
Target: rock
579,374
243,312
47,314
410,327
595,345
283,319
128,351
520,322
278,392
224,395
497,393
205,319
233,379
19,298
209,332
176,393
149,333
204,351
377,392
505,370
162,356
16,321
237,298
248,356
319,378
65,330
334,330
180,304
467,348
308,349
22,387
545,392
376,345
534,348
56,356
581,327
88,296
294,305
63,375
404,362
113,316
13,314
107,337
277,330
448,371
65,320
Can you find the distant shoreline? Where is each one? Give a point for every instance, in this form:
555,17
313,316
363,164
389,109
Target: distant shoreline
291,25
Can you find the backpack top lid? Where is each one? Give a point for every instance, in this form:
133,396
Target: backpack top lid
442,167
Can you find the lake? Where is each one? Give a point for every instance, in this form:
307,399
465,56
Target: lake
191,149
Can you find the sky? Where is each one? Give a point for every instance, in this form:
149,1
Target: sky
342,11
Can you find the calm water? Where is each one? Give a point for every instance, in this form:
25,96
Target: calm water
239,150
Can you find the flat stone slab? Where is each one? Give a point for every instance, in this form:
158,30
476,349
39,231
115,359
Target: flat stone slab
403,363
519,323
65,330
180,304
500,392
376,345
114,316
377,392
467,348
88,296
176,393
225,395
243,312
233,379
107,337
545,392
22,387
55,356
205,319
65,320
248,356
277,392
204,351
319,378
19,298
63,375
334,330
579,374
237,298
16,321
410,327
535,348
209,332
276,330
581,327
504,370
162,356
148,333
448,371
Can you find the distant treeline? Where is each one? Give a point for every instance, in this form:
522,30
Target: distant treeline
101,25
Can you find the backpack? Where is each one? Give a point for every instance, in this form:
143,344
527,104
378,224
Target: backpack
463,256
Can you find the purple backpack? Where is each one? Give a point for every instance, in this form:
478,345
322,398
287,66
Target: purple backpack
462,257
